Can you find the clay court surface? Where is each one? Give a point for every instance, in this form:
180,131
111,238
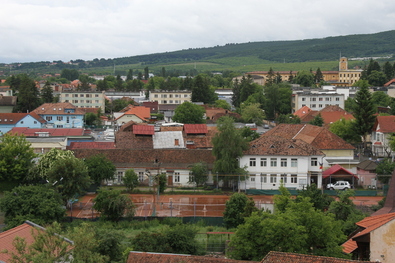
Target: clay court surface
185,205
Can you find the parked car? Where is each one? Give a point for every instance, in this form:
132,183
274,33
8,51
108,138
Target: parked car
339,185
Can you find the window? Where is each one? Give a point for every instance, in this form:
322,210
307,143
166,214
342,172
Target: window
171,101
294,162
312,99
75,101
66,95
96,95
176,96
273,178
320,99
273,162
283,162
284,178
263,178
88,95
66,101
327,99
156,95
141,176
337,99
119,177
303,99
82,95
313,105
294,179
263,162
165,102
314,162
170,95
48,118
35,122
252,178
68,119
252,162
319,105
96,101
185,95
59,118
176,177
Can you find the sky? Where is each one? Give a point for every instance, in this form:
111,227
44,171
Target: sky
50,30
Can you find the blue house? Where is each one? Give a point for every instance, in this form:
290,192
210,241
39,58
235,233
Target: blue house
11,120
61,115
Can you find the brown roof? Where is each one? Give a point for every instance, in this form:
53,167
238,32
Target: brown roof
11,118
275,145
319,137
143,129
91,145
57,109
367,165
51,131
147,257
195,128
385,124
302,111
286,257
8,100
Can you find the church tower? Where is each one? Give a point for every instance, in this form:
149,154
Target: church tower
343,64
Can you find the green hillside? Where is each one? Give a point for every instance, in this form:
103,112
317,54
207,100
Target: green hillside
280,55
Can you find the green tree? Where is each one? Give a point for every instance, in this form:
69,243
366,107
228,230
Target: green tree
130,180
161,181
113,205
199,172
248,134
69,176
222,104
100,168
237,208
319,200
388,70
350,104
304,78
119,104
47,93
85,81
189,113
364,112
91,118
270,78
129,76
70,74
146,73
16,156
288,118
384,170
119,83
27,93
201,91
345,130
377,78
39,204
317,121
252,113
318,76
228,145
380,98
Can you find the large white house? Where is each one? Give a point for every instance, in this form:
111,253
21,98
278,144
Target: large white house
272,160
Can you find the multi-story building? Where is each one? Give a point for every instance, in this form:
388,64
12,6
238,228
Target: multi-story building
170,96
347,77
316,100
84,99
61,115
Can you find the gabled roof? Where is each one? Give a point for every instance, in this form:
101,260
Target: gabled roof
336,170
275,145
37,117
286,257
144,257
11,118
385,124
91,145
389,83
57,109
367,165
319,137
302,111
51,132
195,128
143,129
140,111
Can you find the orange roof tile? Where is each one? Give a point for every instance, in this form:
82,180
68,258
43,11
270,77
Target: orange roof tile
91,145
52,132
302,111
285,257
11,118
385,124
195,128
144,129
58,109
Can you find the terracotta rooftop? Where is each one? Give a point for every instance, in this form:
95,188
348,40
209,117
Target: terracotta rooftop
385,124
195,128
147,257
11,118
302,111
57,109
336,170
319,137
91,145
143,129
142,112
275,145
285,257
51,132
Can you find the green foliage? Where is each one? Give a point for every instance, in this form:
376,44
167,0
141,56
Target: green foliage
28,95
47,93
162,182
252,113
319,200
317,121
237,208
180,239
228,145
91,118
288,118
345,211
199,173
16,156
345,130
377,78
39,204
130,180
222,104
70,74
113,205
384,170
100,168
118,104
304,78
248,134
69,176
278,100
189,113
380,98
110,243
201,91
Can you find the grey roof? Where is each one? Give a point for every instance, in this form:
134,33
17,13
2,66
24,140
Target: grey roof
342,161
168,139
8,100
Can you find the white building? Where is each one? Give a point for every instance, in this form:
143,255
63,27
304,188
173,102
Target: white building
317,100
170,96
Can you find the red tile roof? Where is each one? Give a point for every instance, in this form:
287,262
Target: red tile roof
285,257
142,112
11,118
57,109
147,257
195,128
91,145
302,111
385,124
389,82
143,129
52,132
336,170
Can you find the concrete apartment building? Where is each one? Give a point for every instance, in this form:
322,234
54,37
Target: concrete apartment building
84,99
170,96
316,100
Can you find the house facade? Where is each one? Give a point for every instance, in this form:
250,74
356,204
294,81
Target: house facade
272,160
316,101
8,121
170,96
381,132
61,115
84,99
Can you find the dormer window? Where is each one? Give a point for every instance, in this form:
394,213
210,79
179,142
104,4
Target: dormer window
42,108
272,146
291,147
60,108
54,108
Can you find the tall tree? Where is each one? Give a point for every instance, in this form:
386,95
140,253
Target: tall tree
146,73
201,89
317,121
70,74
377,78
199,172
388,70
129,76
270,78
189,113
236,94
238,207
113,205
228,146
100,168
119,83
28,95
16,157
318,76
130,180
252,113
47,93
345,130
304,78
364,112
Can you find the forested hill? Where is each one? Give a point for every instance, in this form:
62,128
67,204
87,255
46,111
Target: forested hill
324,49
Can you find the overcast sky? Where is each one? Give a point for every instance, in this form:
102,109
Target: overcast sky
47,30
